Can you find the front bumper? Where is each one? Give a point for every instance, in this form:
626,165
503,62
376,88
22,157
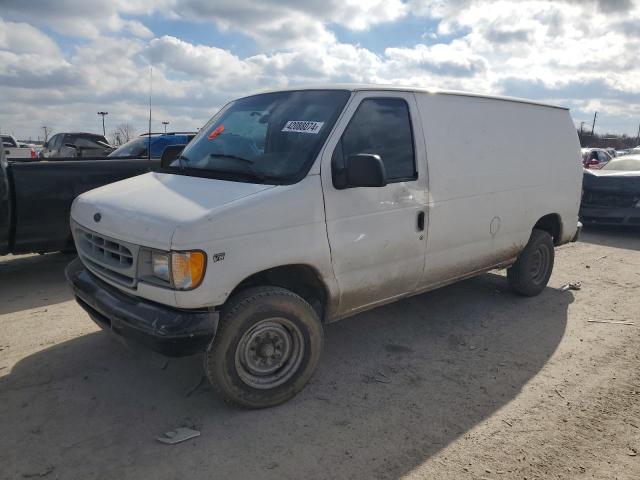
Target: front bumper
166,330
629,216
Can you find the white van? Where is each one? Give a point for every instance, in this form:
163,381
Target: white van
295,208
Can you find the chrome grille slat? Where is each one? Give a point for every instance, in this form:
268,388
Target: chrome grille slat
107,257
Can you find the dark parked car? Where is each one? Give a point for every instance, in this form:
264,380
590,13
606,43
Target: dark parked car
35,198
611,195
138,147
76,145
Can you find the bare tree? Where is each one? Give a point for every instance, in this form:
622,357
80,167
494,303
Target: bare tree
122,134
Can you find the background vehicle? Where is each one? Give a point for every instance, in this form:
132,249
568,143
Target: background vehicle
298,207
138,147
35,199
612,152
595,158
13,149
76,145
611,195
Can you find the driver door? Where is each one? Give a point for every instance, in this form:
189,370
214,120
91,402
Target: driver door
377,235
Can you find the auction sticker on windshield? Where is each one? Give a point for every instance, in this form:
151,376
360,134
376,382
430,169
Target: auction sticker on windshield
301,126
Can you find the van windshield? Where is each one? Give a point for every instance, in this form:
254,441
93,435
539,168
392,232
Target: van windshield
269,138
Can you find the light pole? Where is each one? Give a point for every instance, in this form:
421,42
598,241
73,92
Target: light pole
104,132
46,133
165,126
582,127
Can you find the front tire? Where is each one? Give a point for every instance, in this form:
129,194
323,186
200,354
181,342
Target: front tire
266,348
529,275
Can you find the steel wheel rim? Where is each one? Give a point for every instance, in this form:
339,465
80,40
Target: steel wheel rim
269,353
539,264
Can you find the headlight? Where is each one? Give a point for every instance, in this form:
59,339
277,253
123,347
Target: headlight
160,265
182,270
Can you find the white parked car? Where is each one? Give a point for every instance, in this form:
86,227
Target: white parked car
14,149
295,208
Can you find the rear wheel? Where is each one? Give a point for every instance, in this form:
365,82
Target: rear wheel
266,348
530,273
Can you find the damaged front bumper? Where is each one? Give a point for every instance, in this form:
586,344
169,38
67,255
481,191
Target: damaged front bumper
169,331
629,216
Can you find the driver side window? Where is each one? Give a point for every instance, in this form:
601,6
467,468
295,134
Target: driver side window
381,126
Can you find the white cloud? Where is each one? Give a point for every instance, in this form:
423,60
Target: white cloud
455,59
583,54
22,38
80,18
291,24
200,61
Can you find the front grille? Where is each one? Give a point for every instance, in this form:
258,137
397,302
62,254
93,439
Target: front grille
602,219
107,257
609,199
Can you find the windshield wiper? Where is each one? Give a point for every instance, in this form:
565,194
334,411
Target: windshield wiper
251,172
252,175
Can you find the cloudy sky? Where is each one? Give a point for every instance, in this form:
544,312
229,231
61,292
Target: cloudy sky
62,62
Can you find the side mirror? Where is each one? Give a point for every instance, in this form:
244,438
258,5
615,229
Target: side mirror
169,154
71,145
365,170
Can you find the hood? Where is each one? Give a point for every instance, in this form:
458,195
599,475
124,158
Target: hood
614,173
146,209
612,180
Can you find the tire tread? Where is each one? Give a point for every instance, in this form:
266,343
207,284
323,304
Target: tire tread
518,276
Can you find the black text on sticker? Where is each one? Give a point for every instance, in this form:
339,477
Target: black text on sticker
302,126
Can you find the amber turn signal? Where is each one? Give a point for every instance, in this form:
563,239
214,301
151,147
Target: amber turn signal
187,269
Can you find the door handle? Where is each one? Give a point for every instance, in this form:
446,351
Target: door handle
420,221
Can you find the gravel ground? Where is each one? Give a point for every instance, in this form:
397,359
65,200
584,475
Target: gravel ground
467,381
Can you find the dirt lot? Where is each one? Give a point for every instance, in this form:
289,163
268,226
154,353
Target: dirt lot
465,382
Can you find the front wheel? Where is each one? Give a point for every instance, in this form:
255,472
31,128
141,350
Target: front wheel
530,273
266,348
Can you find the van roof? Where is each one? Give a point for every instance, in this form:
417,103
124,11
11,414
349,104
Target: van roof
433,91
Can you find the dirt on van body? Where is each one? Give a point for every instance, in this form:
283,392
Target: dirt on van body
468,381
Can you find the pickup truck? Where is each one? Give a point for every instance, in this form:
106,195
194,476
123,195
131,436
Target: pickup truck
295,208
12,149
36,197
76,145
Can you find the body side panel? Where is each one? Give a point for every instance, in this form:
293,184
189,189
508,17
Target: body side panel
284,225
488,185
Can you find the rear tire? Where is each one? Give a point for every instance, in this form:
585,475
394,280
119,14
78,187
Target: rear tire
530,273
266,348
